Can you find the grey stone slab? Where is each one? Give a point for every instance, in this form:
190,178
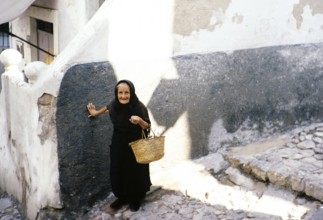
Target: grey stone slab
306,144
260,170
318,140
5,203
239,178
314,186
296,181
318,215
318,134
319,157
279,174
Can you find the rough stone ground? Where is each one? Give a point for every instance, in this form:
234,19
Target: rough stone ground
9,208
275,179
294,161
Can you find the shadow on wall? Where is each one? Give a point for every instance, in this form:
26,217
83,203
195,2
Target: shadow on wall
83,143
276,87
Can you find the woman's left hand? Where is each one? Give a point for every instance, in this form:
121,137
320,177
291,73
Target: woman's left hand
135,119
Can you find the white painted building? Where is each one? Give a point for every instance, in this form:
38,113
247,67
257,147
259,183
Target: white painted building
49,26
166,27
126,33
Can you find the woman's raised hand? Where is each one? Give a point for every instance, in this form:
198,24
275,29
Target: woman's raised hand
91,109
93,112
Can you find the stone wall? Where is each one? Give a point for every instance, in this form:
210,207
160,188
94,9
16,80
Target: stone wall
264,91
83,142
229,99
251,93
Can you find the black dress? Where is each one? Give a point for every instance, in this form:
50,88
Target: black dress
129,180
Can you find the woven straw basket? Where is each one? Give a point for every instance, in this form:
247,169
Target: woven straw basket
148,149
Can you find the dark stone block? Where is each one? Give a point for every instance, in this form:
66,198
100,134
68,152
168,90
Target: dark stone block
83,143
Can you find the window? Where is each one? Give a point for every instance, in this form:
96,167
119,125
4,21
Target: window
4,37
45,26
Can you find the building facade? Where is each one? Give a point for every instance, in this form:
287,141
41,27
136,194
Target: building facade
214,74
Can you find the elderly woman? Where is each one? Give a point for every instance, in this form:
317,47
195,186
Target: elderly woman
129,180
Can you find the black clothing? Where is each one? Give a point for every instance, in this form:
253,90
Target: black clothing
129,180
118,204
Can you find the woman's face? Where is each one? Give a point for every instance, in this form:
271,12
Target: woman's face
123,93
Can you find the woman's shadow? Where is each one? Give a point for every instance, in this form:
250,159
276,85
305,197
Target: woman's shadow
254,86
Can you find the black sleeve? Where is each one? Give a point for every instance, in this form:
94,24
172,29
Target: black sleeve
143,113
109,106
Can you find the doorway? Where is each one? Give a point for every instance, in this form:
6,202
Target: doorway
45,40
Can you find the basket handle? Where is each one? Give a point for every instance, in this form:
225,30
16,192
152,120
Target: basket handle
143,135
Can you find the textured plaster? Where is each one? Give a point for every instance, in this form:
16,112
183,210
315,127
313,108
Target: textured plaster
245,24
28,166
237,18
315,6
47,119
193,15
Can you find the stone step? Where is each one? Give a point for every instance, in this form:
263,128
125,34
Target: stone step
293,160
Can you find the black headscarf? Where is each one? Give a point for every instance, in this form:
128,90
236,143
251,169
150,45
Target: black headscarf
133,97
121,113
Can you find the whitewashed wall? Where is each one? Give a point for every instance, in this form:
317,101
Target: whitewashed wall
165,28
206,26
138,38
28,145
68,18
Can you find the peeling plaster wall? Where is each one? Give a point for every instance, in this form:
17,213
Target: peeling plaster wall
28,145
194,15
47,118
209,25
314,7
28,141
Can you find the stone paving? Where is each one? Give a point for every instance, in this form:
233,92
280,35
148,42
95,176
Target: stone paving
273,179
9,208
168,204
294,161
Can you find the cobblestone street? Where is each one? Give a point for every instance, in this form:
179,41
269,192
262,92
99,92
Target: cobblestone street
219,186
9,208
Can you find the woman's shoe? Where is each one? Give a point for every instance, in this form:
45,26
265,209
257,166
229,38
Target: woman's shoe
134,206
118,204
